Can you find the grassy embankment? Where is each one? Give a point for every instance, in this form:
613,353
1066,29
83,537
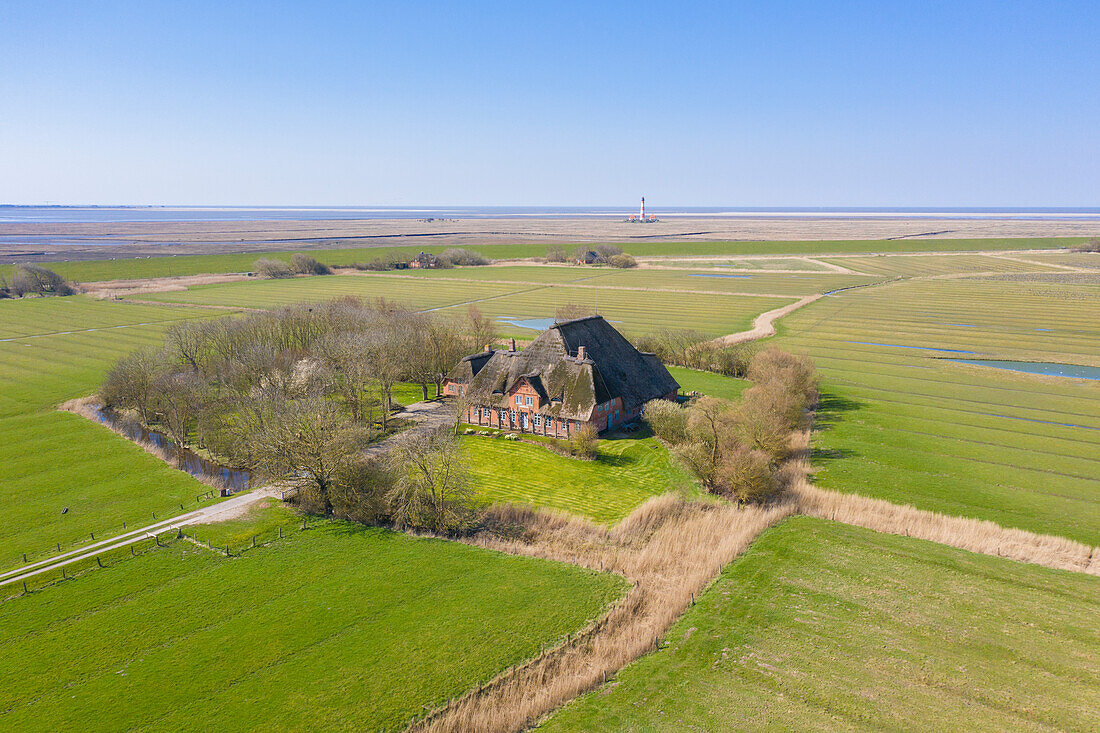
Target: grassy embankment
825,626
904,424
171,265
336,626
56,461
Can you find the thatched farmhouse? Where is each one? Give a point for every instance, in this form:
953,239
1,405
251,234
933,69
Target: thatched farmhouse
576,372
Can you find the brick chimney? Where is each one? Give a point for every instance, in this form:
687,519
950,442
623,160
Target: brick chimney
512,345
580,353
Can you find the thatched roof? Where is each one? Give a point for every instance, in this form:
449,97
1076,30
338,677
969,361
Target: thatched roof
569,386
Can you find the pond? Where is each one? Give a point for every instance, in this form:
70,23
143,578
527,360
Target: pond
185,459
1045,368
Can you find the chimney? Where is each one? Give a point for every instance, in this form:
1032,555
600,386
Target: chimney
512,345
580,353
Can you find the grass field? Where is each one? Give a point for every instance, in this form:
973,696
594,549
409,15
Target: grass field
414,292
633,311
627,472
821,626
910,266
335,627
906,425
709,383
755,282
56,460
170,265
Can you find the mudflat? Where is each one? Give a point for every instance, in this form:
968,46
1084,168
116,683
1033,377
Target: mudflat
83,241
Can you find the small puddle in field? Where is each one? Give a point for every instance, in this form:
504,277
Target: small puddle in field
719,274
535,324
918,348
1045,368
184,458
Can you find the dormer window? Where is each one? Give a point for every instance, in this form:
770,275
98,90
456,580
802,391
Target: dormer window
519,400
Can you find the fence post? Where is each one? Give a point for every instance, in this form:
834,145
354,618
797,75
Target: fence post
24,558
93,535
131,551
59,547
253,540
280,532
124,525
98,561
154,516
24,587
227,550
63,572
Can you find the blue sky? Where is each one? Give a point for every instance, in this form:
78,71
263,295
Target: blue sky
529,103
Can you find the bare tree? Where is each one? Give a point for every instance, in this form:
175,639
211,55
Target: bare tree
431,487
572,311
27,279
273,269
480,328
131,384
306,443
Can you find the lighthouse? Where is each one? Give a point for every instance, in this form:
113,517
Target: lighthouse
641,212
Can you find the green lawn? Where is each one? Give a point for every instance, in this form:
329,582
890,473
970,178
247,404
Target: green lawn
627,472
334,627
824,626
709,383
55,460
904,424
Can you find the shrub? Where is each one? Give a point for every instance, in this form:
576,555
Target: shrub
5,289
272,269
37,280
607,251
747,475
622,261
583,443
667,420
360,492
1093,245
555,254
795,373
303,264
464,258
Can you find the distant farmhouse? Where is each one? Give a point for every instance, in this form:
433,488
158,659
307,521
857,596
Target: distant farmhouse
577,372
425,261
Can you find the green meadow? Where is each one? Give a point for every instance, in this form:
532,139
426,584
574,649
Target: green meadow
709,383
823,626
634,311
333,627
66,477
329,253
626,472
900,421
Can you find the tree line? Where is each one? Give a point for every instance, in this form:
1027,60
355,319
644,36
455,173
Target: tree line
736,450
32,280
692,349
295,395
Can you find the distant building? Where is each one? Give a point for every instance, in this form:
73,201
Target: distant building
575,373
425,261
588,258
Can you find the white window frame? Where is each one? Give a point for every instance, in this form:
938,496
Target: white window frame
538,421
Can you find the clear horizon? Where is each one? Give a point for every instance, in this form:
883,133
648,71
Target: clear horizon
855,105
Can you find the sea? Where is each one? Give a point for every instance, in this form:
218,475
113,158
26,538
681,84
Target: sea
115,214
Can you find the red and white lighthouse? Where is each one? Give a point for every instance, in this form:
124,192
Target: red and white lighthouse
641,212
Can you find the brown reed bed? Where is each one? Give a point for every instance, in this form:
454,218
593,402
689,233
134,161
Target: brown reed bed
975,535
670,548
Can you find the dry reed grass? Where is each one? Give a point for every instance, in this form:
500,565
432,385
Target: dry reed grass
975,535
670,548
87,407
